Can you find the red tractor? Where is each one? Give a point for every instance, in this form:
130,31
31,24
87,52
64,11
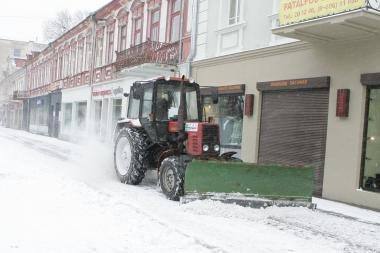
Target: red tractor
163,131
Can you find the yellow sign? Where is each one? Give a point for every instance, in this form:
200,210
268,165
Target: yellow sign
294,11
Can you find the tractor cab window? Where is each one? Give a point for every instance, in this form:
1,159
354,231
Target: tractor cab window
168,102
133,107
147,103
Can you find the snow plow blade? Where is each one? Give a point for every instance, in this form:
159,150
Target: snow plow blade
248,184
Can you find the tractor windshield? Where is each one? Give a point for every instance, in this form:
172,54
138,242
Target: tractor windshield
168,101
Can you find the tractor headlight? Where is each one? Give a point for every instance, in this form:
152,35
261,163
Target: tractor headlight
216,148
205,148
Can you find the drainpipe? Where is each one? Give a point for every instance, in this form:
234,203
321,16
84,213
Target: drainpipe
194,33
181,33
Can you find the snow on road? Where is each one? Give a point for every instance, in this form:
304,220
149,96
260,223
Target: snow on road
62,197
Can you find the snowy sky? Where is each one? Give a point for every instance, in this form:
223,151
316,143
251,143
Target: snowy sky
23,19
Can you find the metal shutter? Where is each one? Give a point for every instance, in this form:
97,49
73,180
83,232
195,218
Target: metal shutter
293,130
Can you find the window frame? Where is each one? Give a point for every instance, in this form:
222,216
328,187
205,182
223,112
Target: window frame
110,46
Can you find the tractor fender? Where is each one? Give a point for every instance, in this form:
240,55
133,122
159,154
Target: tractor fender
164,155
130,123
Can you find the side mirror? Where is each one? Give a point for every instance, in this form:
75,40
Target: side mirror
138,91
126,95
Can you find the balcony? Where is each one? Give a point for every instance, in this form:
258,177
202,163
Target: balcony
148,52
20,94
328,22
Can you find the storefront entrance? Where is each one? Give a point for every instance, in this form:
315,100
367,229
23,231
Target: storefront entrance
293,128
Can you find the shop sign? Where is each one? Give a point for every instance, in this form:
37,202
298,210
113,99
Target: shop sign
295,11
117,91
102,93
306,83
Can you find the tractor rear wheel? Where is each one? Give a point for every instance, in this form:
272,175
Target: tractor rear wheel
172,177
129,150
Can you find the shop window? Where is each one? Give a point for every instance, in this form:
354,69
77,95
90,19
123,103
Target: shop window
68,116
116,111
371,168
97,116
81,113
228,113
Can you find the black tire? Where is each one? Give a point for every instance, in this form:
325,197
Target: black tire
130,170
172,177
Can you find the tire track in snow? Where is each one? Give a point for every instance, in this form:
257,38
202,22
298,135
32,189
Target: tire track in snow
353,247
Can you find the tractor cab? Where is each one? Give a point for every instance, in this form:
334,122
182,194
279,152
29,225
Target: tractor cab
157,106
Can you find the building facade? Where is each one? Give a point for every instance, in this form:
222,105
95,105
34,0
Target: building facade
309,95
77,83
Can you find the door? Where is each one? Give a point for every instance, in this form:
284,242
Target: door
293,130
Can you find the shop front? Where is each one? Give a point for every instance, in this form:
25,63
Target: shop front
109,105
313,106
44,114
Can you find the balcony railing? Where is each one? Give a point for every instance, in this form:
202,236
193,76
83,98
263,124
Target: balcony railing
20,94
148,52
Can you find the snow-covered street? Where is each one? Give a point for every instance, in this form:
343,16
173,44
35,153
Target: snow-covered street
63,197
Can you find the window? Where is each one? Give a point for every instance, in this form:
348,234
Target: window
154,25
133,107
116,111
175,20
138,15
234,12
147,103
17,52
88,52
138,31
68,116
97,116
80,56
99,51
110,52
371,159
81,113
123,37
73,59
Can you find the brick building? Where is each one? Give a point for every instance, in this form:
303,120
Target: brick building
76,84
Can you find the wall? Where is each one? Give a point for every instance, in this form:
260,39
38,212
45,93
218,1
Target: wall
215,37
344,63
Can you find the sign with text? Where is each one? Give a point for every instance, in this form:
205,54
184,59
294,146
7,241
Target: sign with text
294,11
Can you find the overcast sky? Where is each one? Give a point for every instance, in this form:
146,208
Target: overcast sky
23,19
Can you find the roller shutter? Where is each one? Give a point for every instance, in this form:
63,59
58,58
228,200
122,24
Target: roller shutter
294,128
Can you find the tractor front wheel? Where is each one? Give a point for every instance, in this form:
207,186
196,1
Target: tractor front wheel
172,176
